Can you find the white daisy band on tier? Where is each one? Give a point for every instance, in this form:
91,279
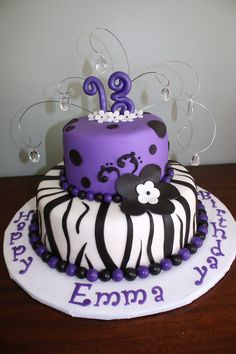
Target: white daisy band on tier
115,117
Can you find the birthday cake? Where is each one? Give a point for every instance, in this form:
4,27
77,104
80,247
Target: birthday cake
116,208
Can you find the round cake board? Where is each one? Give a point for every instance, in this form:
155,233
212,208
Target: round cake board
169,290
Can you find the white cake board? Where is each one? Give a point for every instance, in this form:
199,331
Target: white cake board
155,294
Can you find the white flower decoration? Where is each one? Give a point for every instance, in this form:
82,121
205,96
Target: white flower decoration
110,117
101,116
138,114
92,116
116,116
147,193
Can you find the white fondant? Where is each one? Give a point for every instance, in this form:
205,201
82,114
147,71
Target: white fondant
178,285
115,117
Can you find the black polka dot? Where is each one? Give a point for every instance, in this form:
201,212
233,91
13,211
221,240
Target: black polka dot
152,149
112,126
85,182
75,157
69,128
158,127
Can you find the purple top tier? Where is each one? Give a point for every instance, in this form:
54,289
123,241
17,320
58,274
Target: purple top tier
95,155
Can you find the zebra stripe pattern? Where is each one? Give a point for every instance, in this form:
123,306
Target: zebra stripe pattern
99,235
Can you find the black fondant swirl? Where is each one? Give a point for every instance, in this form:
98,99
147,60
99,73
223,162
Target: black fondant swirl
168,235
150,238
129,242
80,255
58,167
65,229
181,235
99,237
81,217
121,162
47,188
102,178
47,212
49,178
158,127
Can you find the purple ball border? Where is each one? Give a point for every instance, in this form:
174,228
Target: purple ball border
100,197
119,274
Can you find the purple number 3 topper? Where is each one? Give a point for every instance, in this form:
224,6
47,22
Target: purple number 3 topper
120,83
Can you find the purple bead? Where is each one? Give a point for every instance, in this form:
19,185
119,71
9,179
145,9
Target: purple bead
201,207
166,264
197,241
202,228
40,250
71,269
90,196
107,198
166,179
142,272
170,172
33,239
63,178
203,217
117,275
65,186
184,253
75,192
33,227
92,275
53,262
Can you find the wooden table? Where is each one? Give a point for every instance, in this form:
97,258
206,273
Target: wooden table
208,325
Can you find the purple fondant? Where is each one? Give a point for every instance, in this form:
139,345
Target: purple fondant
33,227
197,241
33,239
92,275
71,269
93,85
117,275
202,228
53,262
166,264
184,253
40,250
97,145
142,272
203,217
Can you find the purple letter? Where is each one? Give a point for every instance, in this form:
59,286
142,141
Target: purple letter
24,215
76,293
204,195
134,293
202,273
17,251
216,251
15,236
108,298
158,291
218,232
27,264
91,86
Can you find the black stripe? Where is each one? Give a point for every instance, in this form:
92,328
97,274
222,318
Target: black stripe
186,176
40,223
139,257
47,195
80,255
183,171
186,184
65,229
129,242
58,167
186,207
81,217
181,235
168,235
88,261
150,238
48,188
49,178
47,211
99,237
194,224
